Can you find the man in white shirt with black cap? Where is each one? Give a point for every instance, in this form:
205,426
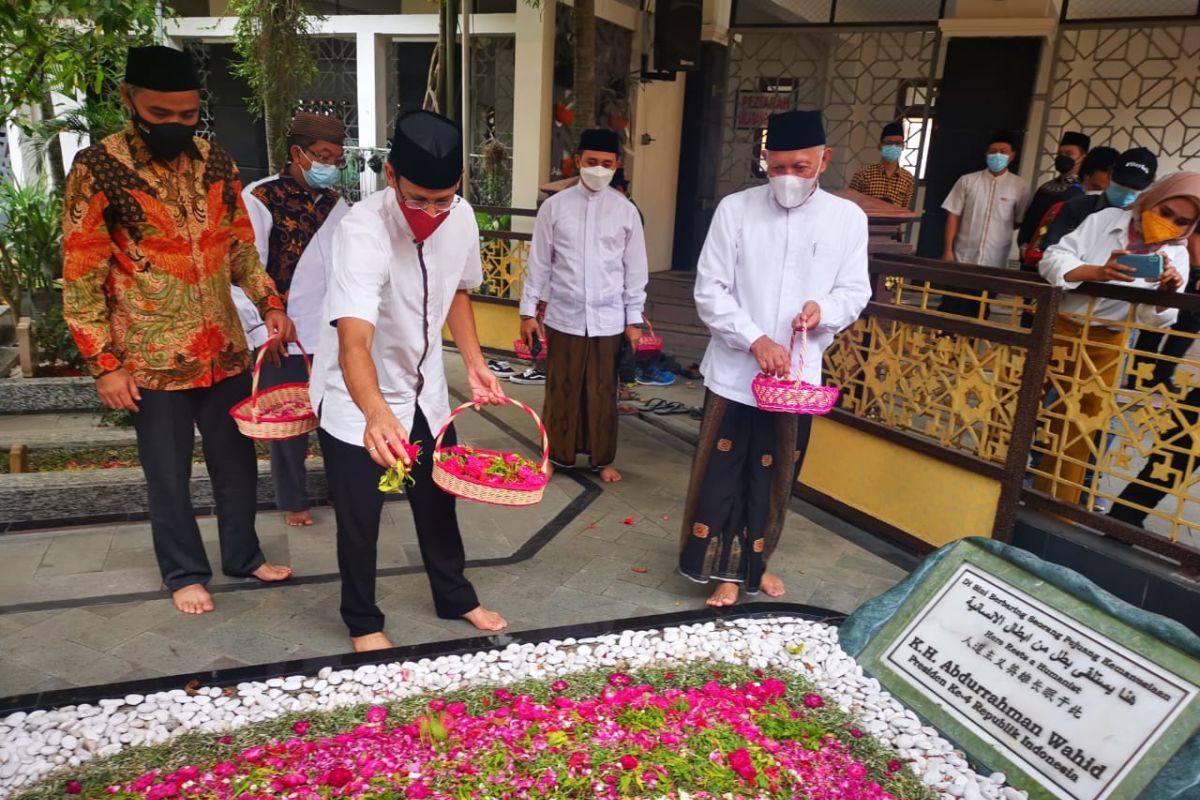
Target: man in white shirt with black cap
588,261
777,258
403,260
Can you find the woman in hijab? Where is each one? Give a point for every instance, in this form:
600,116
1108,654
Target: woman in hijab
1091,333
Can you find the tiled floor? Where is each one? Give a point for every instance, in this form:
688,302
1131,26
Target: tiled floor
595,568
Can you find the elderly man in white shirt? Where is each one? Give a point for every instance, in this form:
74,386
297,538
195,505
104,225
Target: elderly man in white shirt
778,258
589,262
982,211
1091,334
294,215
403,261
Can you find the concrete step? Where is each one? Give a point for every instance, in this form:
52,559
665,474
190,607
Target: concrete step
68,438
35,500
666,311
671,286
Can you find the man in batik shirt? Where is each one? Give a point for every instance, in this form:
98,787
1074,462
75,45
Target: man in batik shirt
294,215
154,234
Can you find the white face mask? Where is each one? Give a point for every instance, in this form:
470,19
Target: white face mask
596,178
791,191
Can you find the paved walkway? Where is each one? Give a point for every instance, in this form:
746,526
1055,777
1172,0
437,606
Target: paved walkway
82,606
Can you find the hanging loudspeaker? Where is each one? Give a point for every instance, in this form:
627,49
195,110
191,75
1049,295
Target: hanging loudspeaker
677,34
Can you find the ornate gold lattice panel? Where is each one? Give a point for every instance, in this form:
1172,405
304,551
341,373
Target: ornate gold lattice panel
503,267
958,391
1119,424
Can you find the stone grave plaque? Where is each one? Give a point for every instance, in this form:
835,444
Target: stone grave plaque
1066,699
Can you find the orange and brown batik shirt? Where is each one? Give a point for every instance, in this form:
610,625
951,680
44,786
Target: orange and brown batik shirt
149,254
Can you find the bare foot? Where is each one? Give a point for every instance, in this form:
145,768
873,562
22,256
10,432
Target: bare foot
372,641
298,519
772,585
485,620
270,573
725,595
609,475
193,599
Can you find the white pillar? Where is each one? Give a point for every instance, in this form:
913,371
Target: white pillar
371,53
716,20
533,99
371,60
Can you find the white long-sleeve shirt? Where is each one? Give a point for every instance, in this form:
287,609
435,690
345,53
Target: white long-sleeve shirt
1093,243
377,277
588,261
760,264
990,206
306,296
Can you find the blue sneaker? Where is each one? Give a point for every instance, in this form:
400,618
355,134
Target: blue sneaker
653,376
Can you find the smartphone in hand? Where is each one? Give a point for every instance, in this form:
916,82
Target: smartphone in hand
1149,267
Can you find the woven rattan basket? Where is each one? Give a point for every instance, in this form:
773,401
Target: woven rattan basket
792,395
281,412
481,491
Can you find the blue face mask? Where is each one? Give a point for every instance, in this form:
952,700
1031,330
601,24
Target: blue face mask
320,176
997,162
1120,197
892,152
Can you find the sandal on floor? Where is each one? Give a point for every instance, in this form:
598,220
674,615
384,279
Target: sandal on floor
652,404
696,414
671,408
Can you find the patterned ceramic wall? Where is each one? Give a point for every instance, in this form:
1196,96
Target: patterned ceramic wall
855,76
493,69
5,163
1128,87
614,47
199,52
335,89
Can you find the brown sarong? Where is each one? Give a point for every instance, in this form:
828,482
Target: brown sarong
746,462
580,410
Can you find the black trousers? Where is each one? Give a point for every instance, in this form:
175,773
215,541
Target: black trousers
354,485
288,455
1173,467
164,425
1176,346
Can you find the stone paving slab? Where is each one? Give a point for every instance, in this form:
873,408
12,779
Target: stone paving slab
595,568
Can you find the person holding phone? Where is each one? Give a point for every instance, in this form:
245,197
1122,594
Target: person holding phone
1157,224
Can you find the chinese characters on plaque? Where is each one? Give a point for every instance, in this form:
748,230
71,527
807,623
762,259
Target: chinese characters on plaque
1070,705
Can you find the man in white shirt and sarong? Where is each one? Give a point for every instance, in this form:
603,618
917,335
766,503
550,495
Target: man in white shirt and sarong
294,215
403,260
588,261
778,258
982,211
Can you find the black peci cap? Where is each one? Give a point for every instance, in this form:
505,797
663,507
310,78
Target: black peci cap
602,140
161,69
795,130
427,150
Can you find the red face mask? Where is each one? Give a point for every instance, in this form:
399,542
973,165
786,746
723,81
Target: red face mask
421,223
